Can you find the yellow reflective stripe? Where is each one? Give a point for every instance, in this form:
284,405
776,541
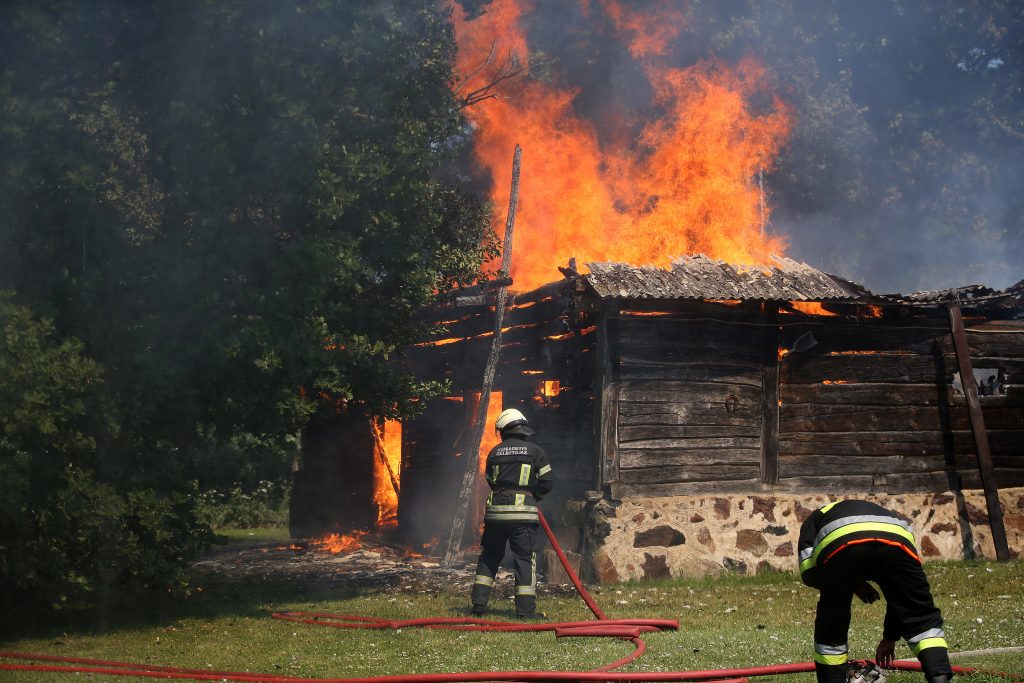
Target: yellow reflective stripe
490,498
543,470
831,660
806,564
533,569
860,526
826,508
927,643
520,498
526,590
495,470
484,580
524,474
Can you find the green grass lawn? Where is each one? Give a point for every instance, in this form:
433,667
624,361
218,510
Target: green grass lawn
732,621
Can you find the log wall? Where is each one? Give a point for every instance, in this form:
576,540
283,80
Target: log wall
874,401
689,400
870,399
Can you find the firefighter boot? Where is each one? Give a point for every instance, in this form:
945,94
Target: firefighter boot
532,615
935,664
831,673
480,594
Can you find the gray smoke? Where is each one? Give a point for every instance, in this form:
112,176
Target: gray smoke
902,171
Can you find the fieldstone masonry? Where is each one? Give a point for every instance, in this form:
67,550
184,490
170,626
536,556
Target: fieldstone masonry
649,538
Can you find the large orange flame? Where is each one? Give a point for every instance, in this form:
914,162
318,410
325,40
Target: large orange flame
387,466
687,183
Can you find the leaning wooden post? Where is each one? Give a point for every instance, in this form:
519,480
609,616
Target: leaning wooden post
985,469
477,434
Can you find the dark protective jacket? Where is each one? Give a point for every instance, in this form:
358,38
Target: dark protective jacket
839,525
519,475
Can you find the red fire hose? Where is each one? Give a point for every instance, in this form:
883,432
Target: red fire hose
627,629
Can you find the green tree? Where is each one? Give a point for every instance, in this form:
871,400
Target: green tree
237,207
66,537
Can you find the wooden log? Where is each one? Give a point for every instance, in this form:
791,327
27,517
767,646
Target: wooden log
705,473
632,435
729,442
728,397
808,417
985,469
869,368
752,484
793,465
647,413
883,394
691,372
682,457
868,336
834,482
732,352
980,345
1006,443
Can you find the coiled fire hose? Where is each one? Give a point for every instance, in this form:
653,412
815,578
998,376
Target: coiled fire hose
627,629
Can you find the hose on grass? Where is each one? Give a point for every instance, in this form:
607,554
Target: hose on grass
625,629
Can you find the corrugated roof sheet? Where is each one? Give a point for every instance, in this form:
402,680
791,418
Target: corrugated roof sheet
963,295
700,277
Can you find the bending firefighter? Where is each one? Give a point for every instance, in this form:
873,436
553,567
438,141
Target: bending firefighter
843,546
519,475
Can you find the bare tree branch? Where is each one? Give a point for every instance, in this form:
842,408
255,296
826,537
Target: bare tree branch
510,68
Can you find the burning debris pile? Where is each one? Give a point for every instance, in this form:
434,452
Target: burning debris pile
337,561
351,560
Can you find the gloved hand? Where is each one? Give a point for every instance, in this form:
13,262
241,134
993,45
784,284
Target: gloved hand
866,592
885,652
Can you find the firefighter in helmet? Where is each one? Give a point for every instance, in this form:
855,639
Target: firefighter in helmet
519,475
842,547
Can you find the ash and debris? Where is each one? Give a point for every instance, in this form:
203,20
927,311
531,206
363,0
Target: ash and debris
371,567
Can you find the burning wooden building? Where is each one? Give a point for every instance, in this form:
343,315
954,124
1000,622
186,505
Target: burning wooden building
695,415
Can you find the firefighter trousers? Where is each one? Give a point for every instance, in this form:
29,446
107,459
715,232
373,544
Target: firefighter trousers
910,610
520,538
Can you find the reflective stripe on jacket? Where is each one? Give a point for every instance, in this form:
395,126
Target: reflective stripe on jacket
835,526
519,475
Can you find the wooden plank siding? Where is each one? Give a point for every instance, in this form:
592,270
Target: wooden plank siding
874,402
689,404
693,397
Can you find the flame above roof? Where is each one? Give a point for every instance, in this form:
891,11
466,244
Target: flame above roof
700,277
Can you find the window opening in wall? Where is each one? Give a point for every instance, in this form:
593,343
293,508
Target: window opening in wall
989,381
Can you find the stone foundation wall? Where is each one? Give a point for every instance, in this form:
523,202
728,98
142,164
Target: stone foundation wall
650,538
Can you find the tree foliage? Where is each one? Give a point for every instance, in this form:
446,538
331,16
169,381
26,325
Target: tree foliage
66,536
237,208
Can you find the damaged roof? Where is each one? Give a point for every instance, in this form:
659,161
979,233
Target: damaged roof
700,277
960,295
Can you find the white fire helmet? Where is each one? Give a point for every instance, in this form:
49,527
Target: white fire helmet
510,418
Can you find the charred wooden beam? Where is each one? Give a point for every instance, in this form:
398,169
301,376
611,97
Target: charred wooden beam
606,392
985,469
473,452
